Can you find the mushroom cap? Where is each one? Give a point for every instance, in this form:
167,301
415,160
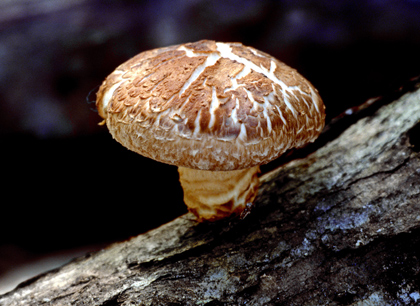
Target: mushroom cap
210,105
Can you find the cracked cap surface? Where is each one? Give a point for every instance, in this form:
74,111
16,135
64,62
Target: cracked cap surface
210,105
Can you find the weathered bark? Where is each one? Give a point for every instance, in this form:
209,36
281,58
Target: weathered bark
338,227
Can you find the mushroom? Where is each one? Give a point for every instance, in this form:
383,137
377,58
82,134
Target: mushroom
217,111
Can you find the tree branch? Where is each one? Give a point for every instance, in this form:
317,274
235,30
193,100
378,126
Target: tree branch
338,227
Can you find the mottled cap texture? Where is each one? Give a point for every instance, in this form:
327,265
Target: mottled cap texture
210,105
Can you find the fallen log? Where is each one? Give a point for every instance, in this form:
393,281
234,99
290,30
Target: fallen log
340,226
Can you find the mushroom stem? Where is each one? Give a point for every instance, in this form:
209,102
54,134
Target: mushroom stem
213,195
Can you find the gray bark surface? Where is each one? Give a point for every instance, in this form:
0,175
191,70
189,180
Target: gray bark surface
338,227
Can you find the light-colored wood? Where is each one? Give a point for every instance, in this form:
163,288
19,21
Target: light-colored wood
339,227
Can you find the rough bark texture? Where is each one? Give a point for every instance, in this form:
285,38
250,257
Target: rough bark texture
339,227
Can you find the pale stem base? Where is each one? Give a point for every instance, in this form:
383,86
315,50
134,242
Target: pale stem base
214,195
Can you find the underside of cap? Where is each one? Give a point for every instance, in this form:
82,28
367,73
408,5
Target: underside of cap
210,106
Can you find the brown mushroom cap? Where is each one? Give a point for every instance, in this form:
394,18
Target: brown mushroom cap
209,105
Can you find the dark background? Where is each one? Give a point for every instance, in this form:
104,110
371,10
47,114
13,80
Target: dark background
67,183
